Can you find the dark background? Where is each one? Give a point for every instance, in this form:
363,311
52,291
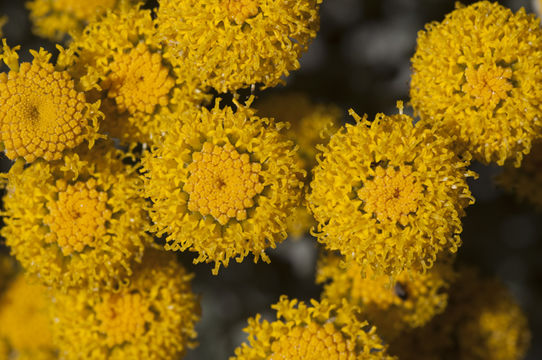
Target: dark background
359,60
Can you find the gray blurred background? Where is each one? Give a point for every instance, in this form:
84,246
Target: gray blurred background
359,60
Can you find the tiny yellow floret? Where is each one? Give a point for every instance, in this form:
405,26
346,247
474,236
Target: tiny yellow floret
123,317
392,194
78,217
41,112
240,10
138,81
222,183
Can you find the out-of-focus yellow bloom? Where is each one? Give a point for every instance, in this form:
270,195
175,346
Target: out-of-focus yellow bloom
477,77
55,19
235,44
25,325
482,321
319,331
526,181
7,271
223,184
42,111
389,194
3,21
410,301
537,5
152,318
79,222
310,125
139,83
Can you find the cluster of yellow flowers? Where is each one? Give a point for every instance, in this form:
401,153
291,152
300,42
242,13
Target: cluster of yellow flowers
122,149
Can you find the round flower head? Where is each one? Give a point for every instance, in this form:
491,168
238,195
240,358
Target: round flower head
319,331
310,125
152,318
54,19
43,111
238,43
138,83
79,222
477,77
526,181
223,185
389,194
25,325
482,321
410,301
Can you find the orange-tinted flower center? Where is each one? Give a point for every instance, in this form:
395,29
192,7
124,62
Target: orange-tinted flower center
138,81
313,342
78,217
391,194
240,10
222,182
41,113
487,85
123,318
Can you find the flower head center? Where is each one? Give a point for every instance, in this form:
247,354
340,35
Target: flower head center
83,9
78,217
391,194
313,342
240,10
487,84
41,113
138,81
222,183
123,317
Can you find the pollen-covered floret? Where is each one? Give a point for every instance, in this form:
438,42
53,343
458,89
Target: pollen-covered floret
318,331
41,111
151,318
477,76
235,44
78,222
223,185
389,195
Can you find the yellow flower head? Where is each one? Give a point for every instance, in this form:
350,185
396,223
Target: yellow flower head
223,184
526,181
55,19
138,82
310,125
319,331
482,321
477,76
235,44
389,194
152,318
410,301
79,222
42,110
25,325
